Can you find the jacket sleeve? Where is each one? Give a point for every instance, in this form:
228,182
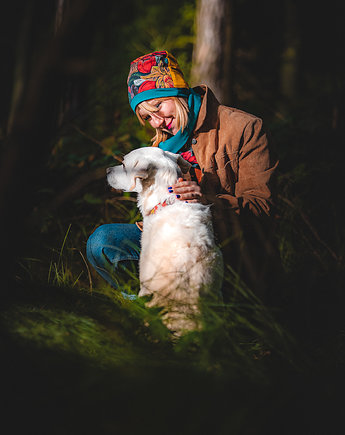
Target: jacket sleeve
252,193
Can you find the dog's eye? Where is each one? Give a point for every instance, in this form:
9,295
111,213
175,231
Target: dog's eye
158,105
147,118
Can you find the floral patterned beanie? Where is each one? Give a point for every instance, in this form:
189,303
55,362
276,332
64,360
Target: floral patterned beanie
155,75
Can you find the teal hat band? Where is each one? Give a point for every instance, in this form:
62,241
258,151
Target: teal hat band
158,93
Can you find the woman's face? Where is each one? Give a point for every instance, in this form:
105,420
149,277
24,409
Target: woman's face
164,118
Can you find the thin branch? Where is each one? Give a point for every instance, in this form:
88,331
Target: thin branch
72,190
92,139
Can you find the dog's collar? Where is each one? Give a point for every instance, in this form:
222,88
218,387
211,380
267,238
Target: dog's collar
156,207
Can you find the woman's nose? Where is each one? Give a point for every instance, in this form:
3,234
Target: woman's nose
156,121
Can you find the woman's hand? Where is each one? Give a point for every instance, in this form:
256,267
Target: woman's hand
188,191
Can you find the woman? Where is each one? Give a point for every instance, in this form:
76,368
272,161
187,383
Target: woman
232,168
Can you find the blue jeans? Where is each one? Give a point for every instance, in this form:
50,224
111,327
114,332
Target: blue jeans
112,245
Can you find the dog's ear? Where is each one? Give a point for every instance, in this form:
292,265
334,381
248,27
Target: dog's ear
139,173
182,163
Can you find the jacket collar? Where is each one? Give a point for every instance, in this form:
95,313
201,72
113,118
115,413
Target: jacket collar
208,114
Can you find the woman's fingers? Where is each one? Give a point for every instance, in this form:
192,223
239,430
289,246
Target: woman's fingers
186,190
186,187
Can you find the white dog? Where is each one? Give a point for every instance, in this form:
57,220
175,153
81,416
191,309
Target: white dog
179,260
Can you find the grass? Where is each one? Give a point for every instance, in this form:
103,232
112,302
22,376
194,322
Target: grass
238,332
76,361
82,362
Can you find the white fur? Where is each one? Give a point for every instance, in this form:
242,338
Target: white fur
179,261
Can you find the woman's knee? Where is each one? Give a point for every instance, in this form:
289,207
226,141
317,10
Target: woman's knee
95,244
111,243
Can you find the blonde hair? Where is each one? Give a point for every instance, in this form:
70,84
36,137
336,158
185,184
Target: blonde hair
182,111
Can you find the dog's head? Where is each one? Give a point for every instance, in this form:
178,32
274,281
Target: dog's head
145,166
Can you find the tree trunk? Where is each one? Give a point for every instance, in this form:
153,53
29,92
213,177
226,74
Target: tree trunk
32,126
289,64
21,66
213,50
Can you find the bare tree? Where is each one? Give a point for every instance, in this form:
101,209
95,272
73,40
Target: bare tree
21,65
289,64
213,50
40,70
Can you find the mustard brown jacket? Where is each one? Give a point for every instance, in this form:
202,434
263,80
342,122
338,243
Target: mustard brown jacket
238,167
233,153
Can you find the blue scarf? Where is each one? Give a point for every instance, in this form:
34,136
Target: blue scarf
175,143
